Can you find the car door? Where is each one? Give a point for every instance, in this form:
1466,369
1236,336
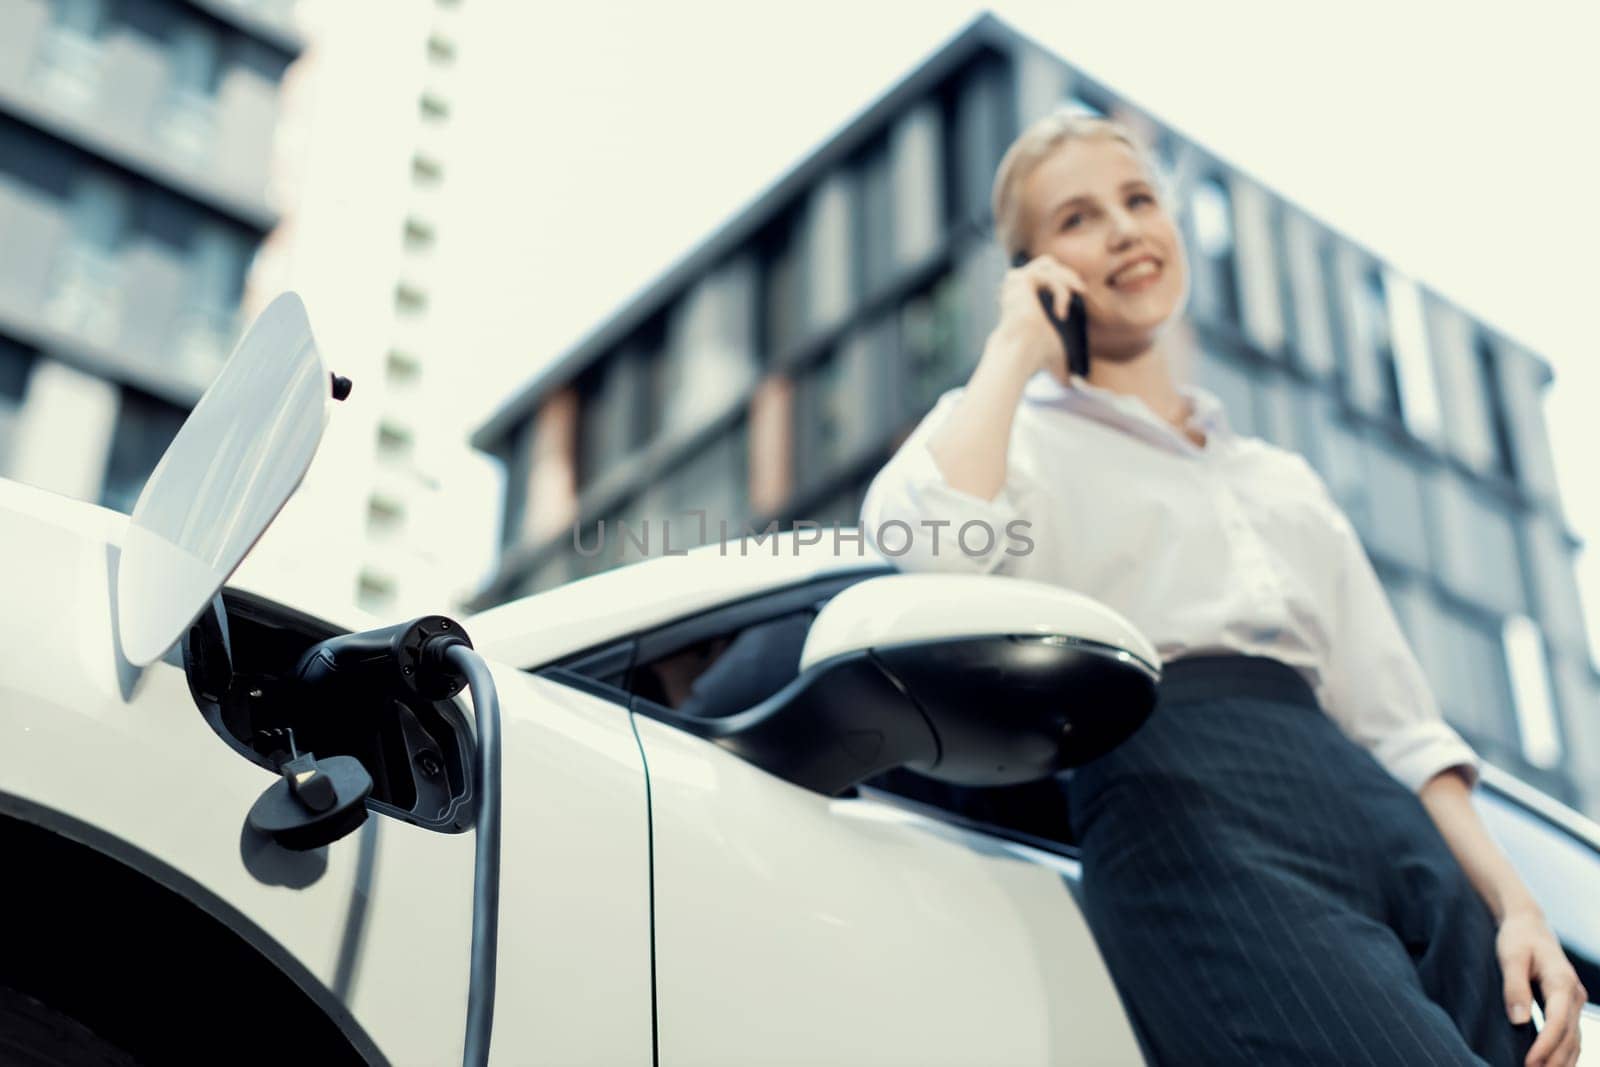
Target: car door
149,769
797,928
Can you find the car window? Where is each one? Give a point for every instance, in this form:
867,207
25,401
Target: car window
726,672
1035,813
732,659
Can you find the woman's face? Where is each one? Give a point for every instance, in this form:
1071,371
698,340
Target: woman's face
1092,206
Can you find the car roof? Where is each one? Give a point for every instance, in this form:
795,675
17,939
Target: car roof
638,596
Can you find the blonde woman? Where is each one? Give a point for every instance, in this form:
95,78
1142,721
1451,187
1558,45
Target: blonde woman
1282,865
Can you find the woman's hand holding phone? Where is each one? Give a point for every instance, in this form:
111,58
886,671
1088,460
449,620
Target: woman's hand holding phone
1025,325
971,447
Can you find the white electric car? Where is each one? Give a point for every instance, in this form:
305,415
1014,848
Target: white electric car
756,804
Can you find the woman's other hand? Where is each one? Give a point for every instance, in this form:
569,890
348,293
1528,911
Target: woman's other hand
1530,954
1024,328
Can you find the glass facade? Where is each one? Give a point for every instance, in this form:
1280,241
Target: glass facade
978,125
1211,236
1504,460
930,331
874,228
1373,335
783,288
16,364
1413,415
843,404
145,427
134,149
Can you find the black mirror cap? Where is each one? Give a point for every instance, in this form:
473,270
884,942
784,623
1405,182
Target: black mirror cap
974,711
837,724
1014,709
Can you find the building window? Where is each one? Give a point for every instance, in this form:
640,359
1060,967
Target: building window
409,300
394,442
87,293
608,429
978,125
189,121
713,481
1233,385
1211,216
1476,538
418,236
219,261
70,51
145,427
1372,317
375,593
931,333
16,365
1487,369
842,402
874,220
433,107
402,367
441,50
1530,686
822,422
782,285
1398,522
1484,689
646,364
1413,361
1337,313
385,517
426,171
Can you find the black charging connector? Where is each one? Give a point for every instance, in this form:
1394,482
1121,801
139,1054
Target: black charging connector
432,657
408,657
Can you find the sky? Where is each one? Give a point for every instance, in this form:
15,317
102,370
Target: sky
598,143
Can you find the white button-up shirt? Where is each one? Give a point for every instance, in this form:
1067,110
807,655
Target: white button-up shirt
1234,546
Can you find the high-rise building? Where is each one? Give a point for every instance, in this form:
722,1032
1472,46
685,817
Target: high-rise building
772,371
395,515
135,146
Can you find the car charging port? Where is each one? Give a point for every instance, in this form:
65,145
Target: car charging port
244,656
432,658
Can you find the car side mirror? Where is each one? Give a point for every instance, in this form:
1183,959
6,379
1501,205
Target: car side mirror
968,679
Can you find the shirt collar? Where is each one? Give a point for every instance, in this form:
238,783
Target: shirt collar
1108,405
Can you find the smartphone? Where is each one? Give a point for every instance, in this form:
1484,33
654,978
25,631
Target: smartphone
1074,329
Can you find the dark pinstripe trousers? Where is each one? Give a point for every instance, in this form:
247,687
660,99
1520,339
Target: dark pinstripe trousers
1265,892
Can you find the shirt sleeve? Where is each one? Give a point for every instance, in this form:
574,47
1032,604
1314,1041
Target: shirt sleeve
1374,688
916,520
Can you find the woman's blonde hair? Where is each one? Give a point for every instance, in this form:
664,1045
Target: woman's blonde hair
1038,141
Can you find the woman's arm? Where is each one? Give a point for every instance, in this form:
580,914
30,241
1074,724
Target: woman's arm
970,447
952,470
1528,950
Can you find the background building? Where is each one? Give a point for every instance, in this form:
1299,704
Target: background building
166,169
771,372
397,512
135,142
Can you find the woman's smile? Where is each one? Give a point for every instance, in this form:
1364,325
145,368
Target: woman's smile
1137,278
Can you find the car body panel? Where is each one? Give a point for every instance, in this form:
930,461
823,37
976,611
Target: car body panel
789,927
381,918
793,928
543,627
